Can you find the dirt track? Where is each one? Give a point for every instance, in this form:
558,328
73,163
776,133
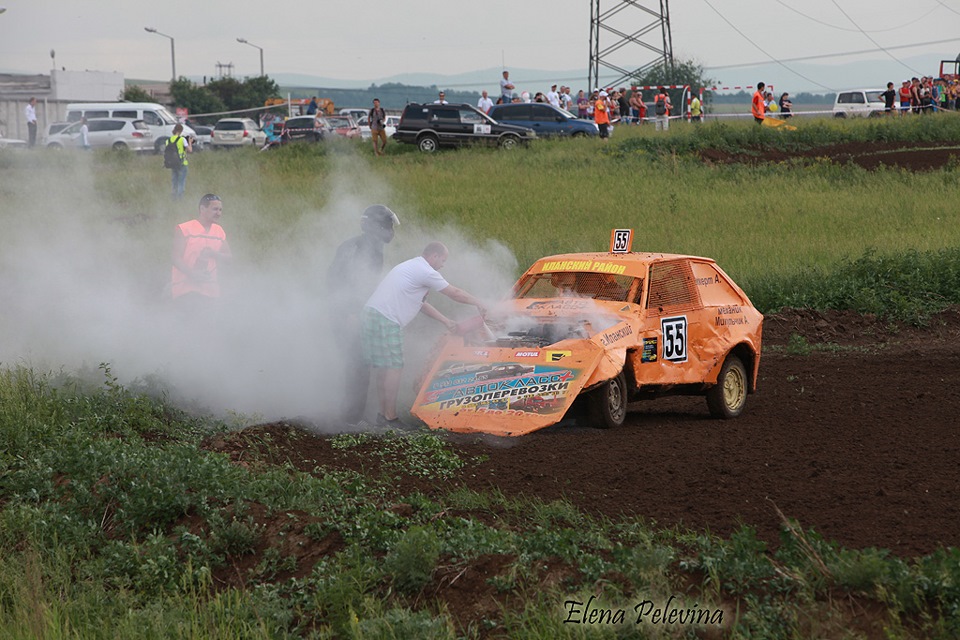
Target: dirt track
858,442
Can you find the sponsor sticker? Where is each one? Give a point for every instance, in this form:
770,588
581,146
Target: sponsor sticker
527,354
556,356
649,353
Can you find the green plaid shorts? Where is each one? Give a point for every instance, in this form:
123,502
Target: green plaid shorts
382,340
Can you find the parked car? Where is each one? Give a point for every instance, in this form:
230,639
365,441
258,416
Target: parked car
12,143
389,127
56,127
354,112
157,117
344,126
431,126
546,119
600,330
302,128
202,137
105,133
237,132
859,102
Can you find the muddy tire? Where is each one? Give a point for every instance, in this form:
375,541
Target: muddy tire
608,404
727,398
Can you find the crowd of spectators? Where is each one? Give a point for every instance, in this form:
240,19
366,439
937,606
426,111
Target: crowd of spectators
929,94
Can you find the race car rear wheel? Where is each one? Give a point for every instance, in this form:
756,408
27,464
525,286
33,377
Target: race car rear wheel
727,398
608,404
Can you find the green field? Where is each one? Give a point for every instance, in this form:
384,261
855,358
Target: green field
113,520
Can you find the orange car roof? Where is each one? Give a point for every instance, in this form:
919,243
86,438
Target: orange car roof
631,264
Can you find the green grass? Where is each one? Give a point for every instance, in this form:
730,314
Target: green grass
110,510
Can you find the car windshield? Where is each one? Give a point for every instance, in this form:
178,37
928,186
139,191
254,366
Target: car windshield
571,284
165,116
339,123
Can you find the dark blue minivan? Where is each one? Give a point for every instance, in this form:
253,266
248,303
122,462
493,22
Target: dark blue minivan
545,119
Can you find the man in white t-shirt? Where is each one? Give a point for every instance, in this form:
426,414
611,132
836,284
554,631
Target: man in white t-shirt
485,103
84,134
30,112
397,300
553,97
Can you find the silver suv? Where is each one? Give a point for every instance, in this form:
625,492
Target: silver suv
105,133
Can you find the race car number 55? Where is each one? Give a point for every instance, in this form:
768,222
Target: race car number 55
674,332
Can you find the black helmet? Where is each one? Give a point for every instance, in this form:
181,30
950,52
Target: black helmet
380,221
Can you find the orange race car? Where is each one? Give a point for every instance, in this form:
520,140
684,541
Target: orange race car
606,328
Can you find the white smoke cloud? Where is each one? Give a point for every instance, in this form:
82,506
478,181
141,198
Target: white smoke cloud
82,280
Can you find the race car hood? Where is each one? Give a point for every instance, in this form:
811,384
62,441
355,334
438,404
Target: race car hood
523,371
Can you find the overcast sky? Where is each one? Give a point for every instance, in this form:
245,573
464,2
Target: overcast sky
375,39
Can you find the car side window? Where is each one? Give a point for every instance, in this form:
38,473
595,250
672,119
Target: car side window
124,114
514,112
469,116
672,288
152,119
111,125
97,114
540,112
857,98
445,115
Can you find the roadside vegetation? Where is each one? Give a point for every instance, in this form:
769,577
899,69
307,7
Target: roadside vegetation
117,520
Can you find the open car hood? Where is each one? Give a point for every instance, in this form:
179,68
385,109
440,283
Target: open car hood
524,373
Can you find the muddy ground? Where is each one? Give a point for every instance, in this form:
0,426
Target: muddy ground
856,439
911,156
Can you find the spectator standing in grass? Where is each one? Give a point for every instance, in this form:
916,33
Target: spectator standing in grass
178,174
485,103
661,107
84,134
553,97
378,132
30,113
696,109
581,104
624,104
351,278
757,107
637,108
601,115
905,97
889,99
786,106
397,300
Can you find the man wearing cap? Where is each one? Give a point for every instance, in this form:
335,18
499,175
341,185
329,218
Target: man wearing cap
506,88
351,278
553,97
601,115
199,246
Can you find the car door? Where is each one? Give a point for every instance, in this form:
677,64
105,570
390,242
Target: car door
544,121
673,332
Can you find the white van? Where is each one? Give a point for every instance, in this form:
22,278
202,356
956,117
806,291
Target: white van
158,118
859,102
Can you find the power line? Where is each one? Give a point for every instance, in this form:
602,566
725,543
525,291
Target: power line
763,51
833,26
948,8
836,55
868,37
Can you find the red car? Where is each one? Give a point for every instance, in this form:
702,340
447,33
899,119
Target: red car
342,126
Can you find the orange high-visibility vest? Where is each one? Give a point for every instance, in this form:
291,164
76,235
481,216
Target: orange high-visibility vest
600,113
198,238
758,107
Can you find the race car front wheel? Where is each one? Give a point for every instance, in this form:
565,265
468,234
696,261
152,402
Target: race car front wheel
727,398
608,404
